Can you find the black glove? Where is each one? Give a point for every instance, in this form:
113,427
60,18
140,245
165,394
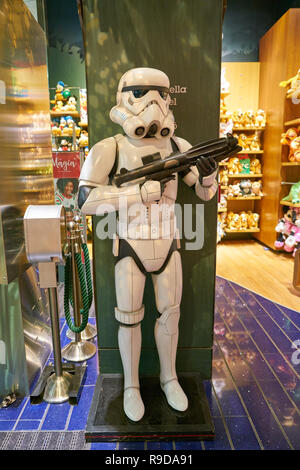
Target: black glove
205,167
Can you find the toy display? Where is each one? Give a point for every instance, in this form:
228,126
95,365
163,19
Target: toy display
223,202
249,119
245,165
288,230
294,194
246,187
257,188
142,110
83,140
242,221
224,177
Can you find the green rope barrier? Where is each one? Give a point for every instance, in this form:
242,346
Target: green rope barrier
84,294
88,276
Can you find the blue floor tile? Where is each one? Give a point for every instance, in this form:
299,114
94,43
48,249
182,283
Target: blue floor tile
188,445
30,425
56,417
14,410
80,412
6,425
242,433
159,445
131,445
103,445
34,411
221,441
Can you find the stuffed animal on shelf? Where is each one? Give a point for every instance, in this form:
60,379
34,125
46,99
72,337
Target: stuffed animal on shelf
249,119
292,85
224,177
294,194
71,104
288,230
233,221
246,187
56,131
226,124
257,188
255,142
255,166
288,136
294,155
234,166
223,202
58,107
58,93
83,139
237,117
243,142
234,190
64,146
221,226
253,219
243,220
260,118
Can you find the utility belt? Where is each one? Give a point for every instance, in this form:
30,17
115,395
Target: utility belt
125,250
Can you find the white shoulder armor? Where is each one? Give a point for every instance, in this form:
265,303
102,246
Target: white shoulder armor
182,144
99,163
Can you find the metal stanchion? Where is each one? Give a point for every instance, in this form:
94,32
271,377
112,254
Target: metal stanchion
57,387
78,350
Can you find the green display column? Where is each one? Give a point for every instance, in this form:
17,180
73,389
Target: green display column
182,38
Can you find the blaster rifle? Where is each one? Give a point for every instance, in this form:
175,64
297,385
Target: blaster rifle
163,170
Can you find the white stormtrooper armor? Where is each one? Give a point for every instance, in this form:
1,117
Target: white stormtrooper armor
143,111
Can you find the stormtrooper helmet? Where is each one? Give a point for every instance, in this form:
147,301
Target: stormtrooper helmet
143,101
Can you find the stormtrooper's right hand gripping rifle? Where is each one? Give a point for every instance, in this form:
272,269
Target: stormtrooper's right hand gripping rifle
163,170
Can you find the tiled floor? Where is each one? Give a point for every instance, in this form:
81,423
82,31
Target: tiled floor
254,395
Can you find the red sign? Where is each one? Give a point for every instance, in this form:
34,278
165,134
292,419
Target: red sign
66,164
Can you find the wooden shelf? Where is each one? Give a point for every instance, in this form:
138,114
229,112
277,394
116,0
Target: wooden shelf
223,187
290,163
83,124
222,209
250,152
223,163
294,122
248,230
244,175
248,129
287,203
74,114
244,198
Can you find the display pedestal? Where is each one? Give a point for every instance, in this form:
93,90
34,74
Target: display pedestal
108,422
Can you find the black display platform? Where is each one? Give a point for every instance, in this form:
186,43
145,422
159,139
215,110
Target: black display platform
108,422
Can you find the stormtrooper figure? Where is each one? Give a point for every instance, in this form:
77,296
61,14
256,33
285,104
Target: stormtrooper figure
142,110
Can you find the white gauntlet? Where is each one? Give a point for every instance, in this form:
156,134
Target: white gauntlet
151,191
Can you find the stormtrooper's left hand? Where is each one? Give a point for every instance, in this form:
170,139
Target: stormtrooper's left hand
206,167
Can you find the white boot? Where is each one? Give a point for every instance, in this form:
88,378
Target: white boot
130,340
166,336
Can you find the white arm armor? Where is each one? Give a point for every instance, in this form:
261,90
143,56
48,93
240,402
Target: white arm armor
209,186
105,198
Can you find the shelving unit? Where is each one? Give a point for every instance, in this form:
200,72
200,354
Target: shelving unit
280,59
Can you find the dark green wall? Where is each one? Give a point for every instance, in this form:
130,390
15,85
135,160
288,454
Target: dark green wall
173,36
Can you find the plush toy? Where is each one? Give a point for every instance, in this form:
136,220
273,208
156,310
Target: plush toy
237,117
288,136
294,155
253,219
220,226
56,131
223,202
257,188
243,142
234,190
234,166
255,166
224,177
249,119
246,188
243,220
58,106
233,221
292,85
71,104
255,142
260,118
294,194
288,225
64,145
84,139
58,93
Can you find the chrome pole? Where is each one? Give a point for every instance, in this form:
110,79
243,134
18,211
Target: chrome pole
57,387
